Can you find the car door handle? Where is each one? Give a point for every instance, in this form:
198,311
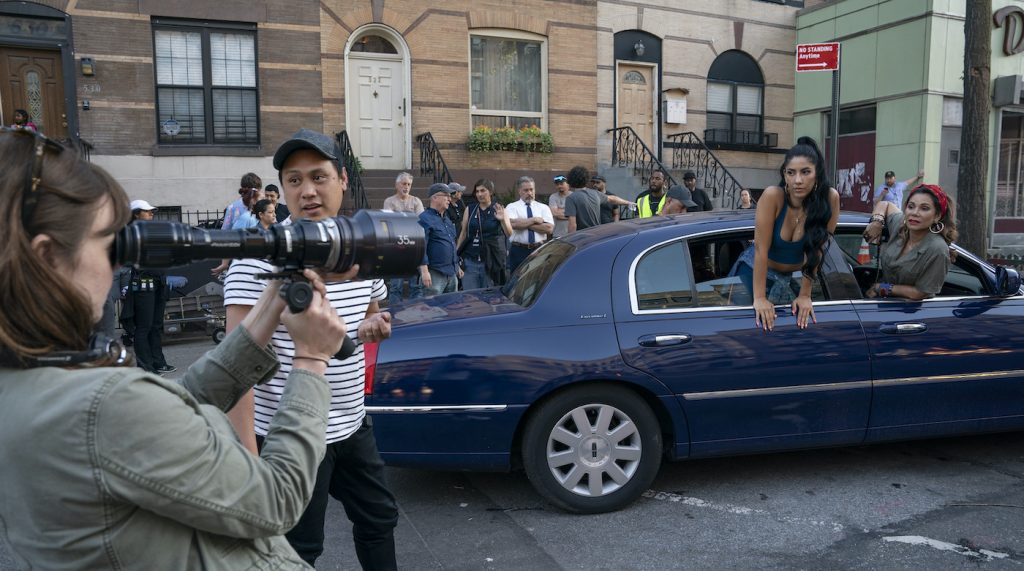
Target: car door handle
664,340
902,328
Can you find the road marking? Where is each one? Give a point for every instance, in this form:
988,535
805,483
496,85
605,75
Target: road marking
944,546
737,510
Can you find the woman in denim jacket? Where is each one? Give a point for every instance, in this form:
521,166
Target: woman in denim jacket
110,467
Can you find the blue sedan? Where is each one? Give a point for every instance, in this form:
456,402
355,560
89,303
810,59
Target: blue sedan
620,346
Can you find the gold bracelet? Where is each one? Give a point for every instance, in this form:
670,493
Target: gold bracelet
324,361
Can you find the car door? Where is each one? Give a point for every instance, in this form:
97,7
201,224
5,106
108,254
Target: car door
950,364
682,317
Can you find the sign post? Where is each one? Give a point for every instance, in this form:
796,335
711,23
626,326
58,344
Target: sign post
825,57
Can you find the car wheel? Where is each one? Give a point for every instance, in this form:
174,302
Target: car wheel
218,335
593,449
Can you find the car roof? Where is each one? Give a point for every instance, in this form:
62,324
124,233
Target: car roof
692,223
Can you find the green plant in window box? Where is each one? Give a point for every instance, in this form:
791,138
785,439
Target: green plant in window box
527,139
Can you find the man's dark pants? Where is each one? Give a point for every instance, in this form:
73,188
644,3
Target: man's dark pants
149,324
516,255
352,473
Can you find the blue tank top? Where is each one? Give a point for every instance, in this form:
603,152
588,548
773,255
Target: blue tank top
784,251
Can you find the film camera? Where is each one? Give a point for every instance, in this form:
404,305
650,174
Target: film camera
384,244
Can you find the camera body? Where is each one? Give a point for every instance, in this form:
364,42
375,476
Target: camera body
384,244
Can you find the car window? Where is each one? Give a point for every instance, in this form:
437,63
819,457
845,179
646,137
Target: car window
714,271
533,275
965,277
663,278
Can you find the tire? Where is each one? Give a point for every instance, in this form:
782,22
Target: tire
218,335
621,460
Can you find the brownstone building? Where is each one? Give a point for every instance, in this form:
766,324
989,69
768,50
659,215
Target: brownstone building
179,98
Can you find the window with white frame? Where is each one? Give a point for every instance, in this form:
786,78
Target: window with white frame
735,100
508,79
206,88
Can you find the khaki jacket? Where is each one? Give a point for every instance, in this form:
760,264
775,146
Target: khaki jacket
115,468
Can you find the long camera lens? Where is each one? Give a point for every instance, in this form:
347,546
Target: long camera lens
384,244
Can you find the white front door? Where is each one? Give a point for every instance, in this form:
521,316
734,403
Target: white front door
378,115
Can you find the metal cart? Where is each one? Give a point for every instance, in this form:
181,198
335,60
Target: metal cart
202,309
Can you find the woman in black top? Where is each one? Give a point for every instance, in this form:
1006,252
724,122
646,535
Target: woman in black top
483,239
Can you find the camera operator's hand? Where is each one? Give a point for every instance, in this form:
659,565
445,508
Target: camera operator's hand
318,331
375,328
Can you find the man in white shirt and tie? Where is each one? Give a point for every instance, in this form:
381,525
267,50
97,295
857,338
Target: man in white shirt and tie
532,223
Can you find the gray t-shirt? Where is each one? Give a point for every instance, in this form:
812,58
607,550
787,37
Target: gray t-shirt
556,200
585,205
923,267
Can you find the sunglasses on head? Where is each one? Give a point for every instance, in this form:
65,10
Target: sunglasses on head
33,177
560,178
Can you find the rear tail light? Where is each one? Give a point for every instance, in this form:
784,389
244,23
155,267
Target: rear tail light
370,356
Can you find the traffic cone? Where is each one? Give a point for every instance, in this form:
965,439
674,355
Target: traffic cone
864,255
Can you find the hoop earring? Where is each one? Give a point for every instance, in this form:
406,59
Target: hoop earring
938,230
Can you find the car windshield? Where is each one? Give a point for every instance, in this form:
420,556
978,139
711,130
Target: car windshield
533,275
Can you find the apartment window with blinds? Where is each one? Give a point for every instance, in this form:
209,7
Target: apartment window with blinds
206,88
508,79
735,100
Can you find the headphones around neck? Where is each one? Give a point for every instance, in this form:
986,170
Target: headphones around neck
101,348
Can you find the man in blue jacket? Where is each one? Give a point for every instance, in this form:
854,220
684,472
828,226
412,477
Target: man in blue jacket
440,271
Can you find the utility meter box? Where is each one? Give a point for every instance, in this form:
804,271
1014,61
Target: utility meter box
674,105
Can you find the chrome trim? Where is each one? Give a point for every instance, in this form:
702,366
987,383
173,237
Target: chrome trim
830,302
950,378
441,408
770,391
891,301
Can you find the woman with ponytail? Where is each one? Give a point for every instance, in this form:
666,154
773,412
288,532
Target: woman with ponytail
914,263
793,223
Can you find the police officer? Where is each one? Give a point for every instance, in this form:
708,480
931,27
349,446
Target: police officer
147,297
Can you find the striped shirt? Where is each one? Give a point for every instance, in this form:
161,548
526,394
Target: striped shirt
350,299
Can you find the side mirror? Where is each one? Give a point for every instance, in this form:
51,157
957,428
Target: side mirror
1007,281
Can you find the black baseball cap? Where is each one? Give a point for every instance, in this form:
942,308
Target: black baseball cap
307,139
890,174
439,187
598,178
560,178
689,174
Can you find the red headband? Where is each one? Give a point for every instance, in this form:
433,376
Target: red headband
936,191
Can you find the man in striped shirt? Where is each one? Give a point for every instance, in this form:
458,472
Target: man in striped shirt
352,472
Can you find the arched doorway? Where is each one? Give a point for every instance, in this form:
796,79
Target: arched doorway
35,67
377,97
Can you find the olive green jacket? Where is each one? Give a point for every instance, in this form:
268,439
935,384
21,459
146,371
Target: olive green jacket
115,468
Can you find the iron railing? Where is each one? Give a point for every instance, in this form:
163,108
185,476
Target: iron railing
629,150
689,152
431,161
80,145
356,190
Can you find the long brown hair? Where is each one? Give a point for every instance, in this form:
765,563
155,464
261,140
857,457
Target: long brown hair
44,310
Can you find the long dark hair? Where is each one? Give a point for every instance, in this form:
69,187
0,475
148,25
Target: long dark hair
817,207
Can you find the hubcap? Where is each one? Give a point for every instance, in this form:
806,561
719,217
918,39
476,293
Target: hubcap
594,450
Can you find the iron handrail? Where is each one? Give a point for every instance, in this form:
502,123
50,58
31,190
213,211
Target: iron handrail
356,190
629,150
690,152
431,161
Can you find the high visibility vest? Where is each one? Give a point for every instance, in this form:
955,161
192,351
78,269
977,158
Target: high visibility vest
644,206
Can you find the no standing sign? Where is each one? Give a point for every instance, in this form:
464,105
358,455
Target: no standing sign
817,57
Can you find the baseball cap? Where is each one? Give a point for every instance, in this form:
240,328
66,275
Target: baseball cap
456,187
682,194
438,187
598,178
689,174
560,178
141,205
306,139
890,174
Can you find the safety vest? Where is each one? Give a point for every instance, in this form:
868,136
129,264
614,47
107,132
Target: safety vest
644,206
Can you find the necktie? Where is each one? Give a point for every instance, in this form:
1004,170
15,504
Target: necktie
531,237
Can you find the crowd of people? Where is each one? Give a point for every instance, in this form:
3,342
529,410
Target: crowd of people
233,465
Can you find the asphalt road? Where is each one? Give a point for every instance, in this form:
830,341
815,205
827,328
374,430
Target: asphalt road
935,504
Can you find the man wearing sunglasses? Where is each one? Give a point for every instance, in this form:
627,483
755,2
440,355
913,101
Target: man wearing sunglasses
557,204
